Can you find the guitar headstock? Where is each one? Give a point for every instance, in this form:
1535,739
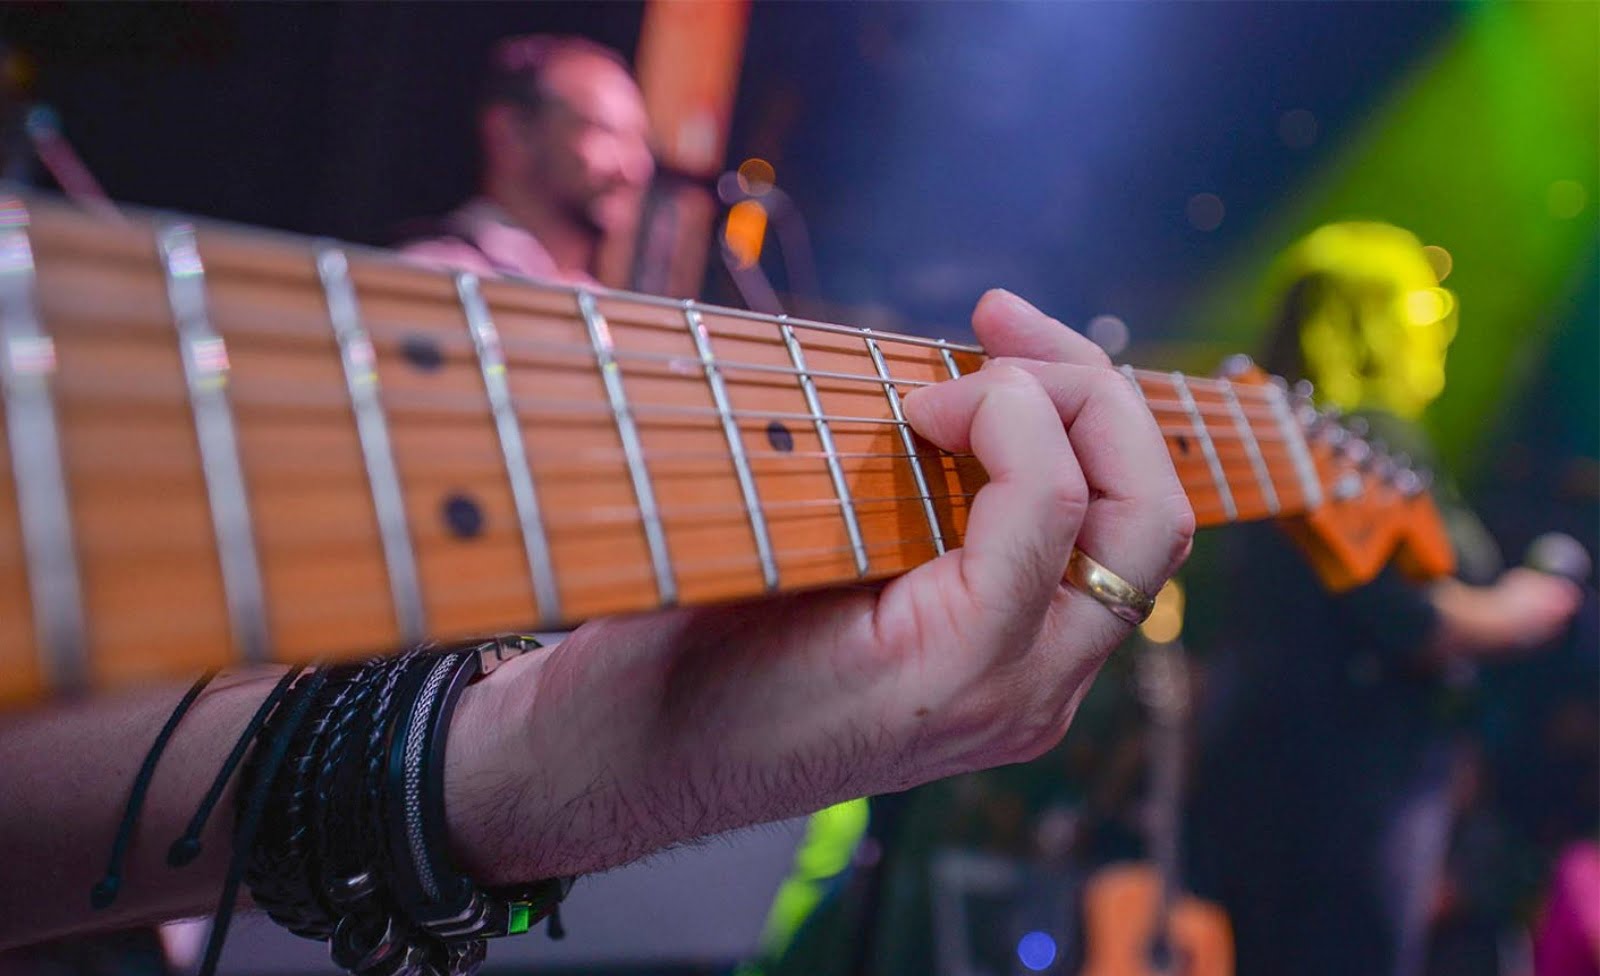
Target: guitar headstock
1376,507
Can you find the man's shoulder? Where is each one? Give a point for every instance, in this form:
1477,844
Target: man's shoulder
447,252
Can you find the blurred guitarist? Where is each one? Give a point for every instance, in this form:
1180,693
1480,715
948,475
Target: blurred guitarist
1321,813
565,161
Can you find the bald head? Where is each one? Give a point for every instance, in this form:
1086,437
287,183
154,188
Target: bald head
564,128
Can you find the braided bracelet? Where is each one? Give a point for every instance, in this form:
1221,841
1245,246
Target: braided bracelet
353,847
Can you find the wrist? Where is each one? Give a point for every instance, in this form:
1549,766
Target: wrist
483,768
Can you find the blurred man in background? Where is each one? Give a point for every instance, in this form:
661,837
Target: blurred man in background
566,161
1321,813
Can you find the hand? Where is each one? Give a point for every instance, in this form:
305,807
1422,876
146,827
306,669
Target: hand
638,733
1535,606
1522,610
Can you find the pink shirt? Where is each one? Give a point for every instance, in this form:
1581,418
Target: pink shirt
481,238
1567,940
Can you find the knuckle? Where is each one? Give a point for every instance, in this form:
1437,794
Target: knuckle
1068,494
1180,526
1093,355
1009,375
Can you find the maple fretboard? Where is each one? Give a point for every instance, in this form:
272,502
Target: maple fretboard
225,445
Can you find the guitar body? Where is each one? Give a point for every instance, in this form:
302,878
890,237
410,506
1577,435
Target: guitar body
1121,906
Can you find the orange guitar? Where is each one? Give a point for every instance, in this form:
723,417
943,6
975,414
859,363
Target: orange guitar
223,445
1136,920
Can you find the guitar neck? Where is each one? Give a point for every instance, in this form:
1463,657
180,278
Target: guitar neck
223,445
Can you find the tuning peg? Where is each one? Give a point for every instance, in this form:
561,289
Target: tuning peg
1410,483
1347,487
1236,365
1375,455
1303,389
1356,451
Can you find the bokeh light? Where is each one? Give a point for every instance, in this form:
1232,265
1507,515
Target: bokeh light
1441,260
756,176
1036,950
1425,306
1205,211
745,232
1109,333
1165,622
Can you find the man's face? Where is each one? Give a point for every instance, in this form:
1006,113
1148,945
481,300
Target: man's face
589,143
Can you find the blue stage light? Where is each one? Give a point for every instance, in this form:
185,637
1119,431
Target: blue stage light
1037,950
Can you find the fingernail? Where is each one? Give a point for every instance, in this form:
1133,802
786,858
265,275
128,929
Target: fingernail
1013,300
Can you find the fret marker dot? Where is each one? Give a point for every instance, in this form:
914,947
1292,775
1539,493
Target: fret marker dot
1183,444
463,516
422,352
779,437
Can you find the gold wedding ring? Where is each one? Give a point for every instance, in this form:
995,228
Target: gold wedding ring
1115,593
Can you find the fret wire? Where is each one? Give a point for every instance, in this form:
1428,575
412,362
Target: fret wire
1206,447
524,493
847,509
610,375
1310,487
911,448
37,465
1247,434
205,370
1132,377
372,431
949,361
741,467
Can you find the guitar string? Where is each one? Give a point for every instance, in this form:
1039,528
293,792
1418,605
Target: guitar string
711,316
312,609
688,517
453,336
251,394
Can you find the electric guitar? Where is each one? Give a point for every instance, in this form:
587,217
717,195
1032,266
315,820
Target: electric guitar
1137,920
224,445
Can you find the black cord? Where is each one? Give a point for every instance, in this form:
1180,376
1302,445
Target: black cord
105,891
250,818
187,847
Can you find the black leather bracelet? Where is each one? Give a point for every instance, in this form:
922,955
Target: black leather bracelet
354,847
426,884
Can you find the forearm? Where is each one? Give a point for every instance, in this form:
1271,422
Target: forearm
68,770
611,747
1468,623
1522,610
